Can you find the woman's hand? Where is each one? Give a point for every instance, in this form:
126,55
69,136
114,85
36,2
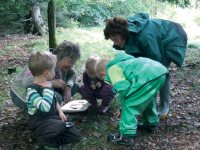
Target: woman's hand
67,94
58,83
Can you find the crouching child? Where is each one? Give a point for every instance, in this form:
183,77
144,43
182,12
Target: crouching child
94,88
137,81
46,119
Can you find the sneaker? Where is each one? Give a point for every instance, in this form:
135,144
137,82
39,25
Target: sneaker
147,128
126,140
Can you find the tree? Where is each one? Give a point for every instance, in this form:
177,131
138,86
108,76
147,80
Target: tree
33,22
52,24
39,26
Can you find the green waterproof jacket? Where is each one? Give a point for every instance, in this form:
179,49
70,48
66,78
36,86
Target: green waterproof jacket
160,40
128,74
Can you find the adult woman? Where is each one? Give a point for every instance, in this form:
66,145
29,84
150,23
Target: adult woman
65,79
161,40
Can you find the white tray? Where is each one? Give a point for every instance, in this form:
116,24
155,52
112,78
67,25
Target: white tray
76,106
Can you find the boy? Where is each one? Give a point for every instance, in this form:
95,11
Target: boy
94,88
137,80
47,121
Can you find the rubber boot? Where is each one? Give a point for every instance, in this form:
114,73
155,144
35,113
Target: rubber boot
164,98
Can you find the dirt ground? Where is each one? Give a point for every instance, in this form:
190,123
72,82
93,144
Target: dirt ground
180,131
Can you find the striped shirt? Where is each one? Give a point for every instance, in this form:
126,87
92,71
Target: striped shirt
37,102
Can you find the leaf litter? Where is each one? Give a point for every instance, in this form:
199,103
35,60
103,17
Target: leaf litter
181,130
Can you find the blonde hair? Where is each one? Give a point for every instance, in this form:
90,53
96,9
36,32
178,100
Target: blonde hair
100,65
40,61
90,63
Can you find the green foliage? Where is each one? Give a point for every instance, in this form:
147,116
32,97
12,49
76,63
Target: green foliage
70,13
74,13
94,12
181,3
13,11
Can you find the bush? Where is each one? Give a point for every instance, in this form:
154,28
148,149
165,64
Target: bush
13,12
95,12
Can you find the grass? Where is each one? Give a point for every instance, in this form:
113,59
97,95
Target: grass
93,128
90,41
192,55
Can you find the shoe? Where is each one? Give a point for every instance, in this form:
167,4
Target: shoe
103,110
126,140
147,128
163,116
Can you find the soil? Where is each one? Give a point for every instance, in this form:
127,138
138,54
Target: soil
180,130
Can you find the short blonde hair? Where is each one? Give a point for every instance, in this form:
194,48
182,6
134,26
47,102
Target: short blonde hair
90,63
100,65
40,61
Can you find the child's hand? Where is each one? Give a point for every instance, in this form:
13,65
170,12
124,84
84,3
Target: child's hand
62,116
98,84
46,84
60,113
93,86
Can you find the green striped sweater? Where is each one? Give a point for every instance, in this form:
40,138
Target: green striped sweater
35,101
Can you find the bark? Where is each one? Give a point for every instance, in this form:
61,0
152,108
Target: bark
39,26
28,23
52,25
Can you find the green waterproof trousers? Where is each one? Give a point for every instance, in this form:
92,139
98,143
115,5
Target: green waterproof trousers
142,103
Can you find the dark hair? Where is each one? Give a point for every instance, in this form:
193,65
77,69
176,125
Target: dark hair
116,25
67,49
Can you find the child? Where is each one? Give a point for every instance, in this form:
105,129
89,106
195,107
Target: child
94,88
47,121
137,80
67,54
161,40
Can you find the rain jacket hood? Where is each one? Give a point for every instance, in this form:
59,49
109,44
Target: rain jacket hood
137,22
158,39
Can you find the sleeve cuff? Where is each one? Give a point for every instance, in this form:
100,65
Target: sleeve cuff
70,83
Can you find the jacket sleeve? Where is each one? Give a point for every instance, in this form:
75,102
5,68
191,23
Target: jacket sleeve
70,78
118,80
35,101
86,80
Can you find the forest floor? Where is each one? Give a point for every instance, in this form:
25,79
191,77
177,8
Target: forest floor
181,130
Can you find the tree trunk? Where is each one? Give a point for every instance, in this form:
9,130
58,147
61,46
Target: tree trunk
39,27
52,25
28,23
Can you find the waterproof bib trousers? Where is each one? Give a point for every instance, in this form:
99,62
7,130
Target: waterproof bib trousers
140,103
